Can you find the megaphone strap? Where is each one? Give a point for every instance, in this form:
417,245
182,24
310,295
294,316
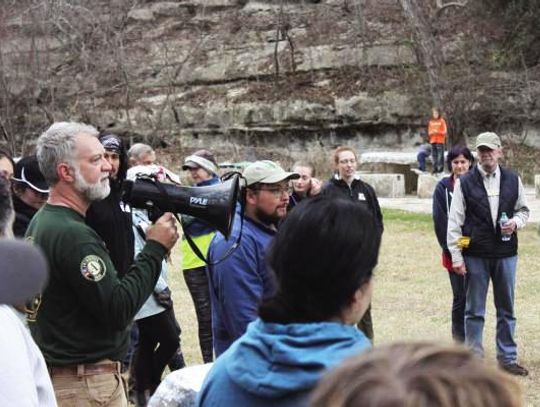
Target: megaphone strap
235,245
231,249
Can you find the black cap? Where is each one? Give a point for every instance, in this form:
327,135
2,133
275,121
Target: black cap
27,171
23,273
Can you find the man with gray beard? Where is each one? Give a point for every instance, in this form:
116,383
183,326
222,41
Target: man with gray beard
80,320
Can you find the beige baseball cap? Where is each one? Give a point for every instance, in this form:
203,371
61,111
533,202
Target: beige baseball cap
267,172
489,140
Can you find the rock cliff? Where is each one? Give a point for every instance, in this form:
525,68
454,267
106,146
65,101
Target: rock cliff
252,79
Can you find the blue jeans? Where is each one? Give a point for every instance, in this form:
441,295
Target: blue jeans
437,156
503,274
421,158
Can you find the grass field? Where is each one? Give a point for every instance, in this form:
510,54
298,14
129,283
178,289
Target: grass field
412,295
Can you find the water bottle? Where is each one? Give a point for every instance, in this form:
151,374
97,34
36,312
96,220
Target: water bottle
502,222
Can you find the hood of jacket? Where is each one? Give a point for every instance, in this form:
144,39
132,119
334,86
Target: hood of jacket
273,360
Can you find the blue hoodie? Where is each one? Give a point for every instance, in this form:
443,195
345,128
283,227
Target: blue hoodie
278,365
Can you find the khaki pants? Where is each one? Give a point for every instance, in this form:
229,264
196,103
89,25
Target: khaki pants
89,389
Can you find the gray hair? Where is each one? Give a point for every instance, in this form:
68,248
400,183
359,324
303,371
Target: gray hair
7,213
139,149
57,145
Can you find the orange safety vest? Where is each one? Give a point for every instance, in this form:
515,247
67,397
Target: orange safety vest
437,131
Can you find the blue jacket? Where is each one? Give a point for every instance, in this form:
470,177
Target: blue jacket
278,365
239,283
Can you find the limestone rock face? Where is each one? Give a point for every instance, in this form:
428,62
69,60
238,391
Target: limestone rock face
252,78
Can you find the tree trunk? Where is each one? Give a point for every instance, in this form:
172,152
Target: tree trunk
428,47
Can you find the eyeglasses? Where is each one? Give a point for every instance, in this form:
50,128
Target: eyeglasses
347,161
277,190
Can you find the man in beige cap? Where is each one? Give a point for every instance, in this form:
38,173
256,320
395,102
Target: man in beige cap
241,281
484,247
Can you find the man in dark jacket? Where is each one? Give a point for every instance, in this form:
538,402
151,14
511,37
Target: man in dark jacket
30,192
484,248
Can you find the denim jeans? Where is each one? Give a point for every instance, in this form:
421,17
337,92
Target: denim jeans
458,306
437,157
503,275
421,158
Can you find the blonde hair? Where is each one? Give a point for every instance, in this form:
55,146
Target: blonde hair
417,375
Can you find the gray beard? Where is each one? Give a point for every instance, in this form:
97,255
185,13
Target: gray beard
92,192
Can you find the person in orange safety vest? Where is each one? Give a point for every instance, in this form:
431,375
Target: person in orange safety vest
437,137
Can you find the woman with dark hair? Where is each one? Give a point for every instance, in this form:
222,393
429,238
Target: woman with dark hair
203,170
459,161
322,258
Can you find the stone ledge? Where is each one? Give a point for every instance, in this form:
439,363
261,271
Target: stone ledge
426,185
386,185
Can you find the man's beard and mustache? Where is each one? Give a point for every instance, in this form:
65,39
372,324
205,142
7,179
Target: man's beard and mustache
268,218
92,192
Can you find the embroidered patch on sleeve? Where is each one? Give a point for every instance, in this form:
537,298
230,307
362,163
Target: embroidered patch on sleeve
93,268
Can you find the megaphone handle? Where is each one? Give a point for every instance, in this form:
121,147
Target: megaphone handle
154,213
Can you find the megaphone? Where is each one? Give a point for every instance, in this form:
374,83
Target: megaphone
214,204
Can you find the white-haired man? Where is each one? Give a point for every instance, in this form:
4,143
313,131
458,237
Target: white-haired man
484,248
80,320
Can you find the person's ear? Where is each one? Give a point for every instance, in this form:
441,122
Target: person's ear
65,172
251,196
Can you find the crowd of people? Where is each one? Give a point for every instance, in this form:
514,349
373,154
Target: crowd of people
289,303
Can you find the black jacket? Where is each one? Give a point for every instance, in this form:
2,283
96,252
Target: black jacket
114,226
360,192
486,239
23,215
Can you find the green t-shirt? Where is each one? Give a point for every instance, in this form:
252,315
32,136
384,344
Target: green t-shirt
84,313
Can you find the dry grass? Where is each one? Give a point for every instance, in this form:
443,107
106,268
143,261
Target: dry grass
412,297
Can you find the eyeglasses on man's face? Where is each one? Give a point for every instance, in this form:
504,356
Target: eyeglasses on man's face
276,190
